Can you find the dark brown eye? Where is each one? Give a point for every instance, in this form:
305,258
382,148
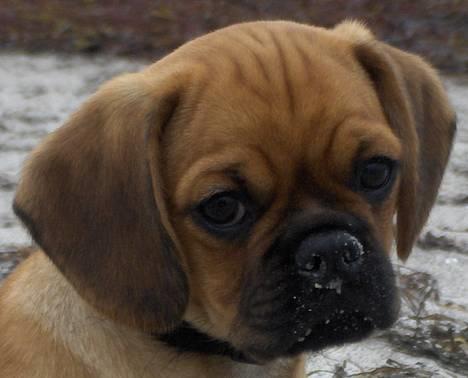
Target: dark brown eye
375,174
223,210
373,178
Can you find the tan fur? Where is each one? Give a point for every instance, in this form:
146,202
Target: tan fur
107,196
52,332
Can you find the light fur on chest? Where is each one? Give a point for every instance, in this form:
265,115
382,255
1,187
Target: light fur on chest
48,330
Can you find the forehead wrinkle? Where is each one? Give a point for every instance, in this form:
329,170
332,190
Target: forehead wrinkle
298,67
254,70
240,78
303,56
283,68
256,50
332,137
233,72
318,152
253,34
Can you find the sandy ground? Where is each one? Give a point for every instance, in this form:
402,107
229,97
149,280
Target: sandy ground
37,94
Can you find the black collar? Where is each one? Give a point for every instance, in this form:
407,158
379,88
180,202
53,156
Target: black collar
188,339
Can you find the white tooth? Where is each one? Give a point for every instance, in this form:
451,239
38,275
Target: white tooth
327,321
332,285
335,285
301,339
338,286
308,332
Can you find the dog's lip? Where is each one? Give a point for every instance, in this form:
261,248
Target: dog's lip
333,330
316,336
321,326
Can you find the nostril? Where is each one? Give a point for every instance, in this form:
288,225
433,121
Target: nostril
315,267
314,264
350,255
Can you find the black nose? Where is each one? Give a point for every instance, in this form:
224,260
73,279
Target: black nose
324,257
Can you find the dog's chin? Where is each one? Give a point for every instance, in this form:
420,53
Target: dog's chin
337,329
318,327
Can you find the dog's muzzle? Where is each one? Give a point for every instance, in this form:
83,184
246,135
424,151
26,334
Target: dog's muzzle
325,281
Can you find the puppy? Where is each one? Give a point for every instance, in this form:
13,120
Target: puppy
227,209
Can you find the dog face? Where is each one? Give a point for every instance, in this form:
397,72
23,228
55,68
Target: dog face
247,184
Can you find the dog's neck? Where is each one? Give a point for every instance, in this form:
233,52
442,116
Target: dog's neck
40,298
188,339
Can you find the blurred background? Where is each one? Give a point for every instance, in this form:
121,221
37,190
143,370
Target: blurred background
436,29
54,54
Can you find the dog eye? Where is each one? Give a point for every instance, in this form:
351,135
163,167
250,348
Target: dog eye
375,176
223,210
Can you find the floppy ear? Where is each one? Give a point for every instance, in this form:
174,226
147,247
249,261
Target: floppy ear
91,196
416,107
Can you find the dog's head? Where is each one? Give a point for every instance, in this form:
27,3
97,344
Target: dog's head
247,184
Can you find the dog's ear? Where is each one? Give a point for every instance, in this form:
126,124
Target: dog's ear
417,108
92,197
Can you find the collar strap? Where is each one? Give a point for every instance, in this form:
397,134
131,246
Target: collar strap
186,338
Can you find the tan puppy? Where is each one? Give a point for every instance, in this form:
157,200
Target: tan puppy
227,209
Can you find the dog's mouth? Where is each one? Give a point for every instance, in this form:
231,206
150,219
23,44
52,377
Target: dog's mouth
327,315
338,328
